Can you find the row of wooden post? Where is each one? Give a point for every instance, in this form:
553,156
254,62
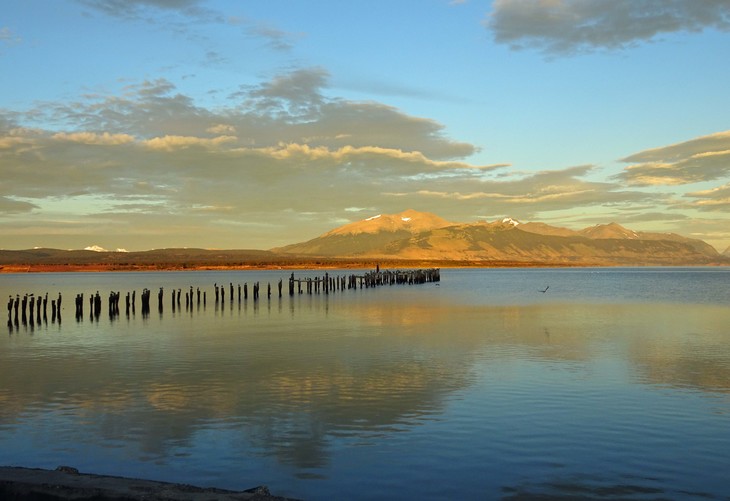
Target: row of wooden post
376,278
31,307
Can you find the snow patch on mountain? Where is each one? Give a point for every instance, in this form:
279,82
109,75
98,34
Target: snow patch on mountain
98,248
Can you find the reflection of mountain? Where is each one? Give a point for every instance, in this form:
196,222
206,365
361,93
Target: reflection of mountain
422,236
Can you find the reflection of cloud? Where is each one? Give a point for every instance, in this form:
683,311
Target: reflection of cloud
568,26
379,367
664,355
285,404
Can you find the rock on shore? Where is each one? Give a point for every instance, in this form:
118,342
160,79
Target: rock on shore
66,483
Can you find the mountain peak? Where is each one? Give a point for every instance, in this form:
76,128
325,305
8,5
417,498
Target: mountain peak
409,220
610,230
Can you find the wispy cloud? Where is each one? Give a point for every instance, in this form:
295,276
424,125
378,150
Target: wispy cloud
185,16
8,38
273,37
574,26
714,200
144,9
705,158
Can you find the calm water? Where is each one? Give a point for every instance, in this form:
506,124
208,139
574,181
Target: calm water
615,383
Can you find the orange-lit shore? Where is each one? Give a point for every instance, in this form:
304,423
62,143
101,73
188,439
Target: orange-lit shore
101,267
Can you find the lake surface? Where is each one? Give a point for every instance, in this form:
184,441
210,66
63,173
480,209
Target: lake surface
613,384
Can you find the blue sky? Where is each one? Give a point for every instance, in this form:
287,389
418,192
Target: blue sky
143,124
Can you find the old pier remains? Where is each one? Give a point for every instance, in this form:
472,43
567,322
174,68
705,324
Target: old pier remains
30,309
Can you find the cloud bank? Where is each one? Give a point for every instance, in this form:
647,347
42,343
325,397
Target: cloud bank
284,159
284,163
574,26
705,158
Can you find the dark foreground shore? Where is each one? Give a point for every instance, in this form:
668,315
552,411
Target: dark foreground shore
65,483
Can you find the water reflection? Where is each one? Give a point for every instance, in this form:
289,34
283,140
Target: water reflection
303,383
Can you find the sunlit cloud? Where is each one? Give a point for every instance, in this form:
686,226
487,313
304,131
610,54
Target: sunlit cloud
94,138
171,143
714,199
573,26
706,158
286,162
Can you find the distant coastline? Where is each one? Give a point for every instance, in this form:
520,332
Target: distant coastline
105,268
305,265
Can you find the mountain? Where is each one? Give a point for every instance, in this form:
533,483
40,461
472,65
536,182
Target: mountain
414,235
367,236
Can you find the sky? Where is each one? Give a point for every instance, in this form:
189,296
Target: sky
143,124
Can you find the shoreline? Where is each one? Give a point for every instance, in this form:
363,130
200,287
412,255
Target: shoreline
109,268
66,483
106,268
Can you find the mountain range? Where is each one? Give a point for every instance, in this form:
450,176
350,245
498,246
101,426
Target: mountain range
414,237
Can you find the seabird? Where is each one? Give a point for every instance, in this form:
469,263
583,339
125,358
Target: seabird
545,290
